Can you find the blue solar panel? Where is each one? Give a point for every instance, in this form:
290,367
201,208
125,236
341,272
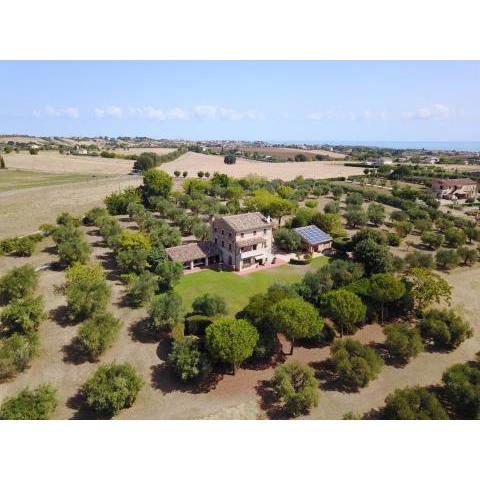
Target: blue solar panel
313,234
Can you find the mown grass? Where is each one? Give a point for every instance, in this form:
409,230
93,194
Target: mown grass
20,179
236,289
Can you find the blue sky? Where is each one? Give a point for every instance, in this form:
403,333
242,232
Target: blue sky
284,101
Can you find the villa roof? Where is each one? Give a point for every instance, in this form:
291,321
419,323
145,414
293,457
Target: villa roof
246,221
191,251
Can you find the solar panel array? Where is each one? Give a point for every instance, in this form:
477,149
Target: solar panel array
313,234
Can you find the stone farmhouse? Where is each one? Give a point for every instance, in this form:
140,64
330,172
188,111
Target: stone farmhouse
455,189
238,242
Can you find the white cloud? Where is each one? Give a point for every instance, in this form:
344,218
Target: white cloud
213,112
331,115
435,111
49,111
110,111
157,114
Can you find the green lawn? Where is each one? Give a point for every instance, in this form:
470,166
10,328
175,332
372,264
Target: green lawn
236,289
18,179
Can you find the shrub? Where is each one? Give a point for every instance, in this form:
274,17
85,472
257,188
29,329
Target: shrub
186,360
111,388
231,341
355,364
393,239
311,204
86,290
447,259
157,183
18,282
141,288
67,219
117,202
209,304
287,240
296,387
415,403
468,255
419,259
98,333
165,311
16,352
402,342
444,328
332,207
23,315
462,390
74,250
24,247
37,404
94,216
432,239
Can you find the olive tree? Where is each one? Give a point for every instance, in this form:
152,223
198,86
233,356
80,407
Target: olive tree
36,404
209,304
403,342
296,387
98,333
413,403
165,311
355,364
18,283
22,316
111,388
444,328
186,360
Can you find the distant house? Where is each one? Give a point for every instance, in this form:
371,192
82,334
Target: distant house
315,240
456,188
379,162
429,160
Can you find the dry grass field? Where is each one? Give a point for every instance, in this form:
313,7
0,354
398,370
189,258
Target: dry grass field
22,211
54,162
284,152
138,151
195,162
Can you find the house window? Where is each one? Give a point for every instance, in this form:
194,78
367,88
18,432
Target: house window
223,243
254,247
254,232
215,229
264,231
215,241
230,246
242,235
230,260
230,234
223,232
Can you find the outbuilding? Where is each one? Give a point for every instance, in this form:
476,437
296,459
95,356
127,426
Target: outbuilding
196,254
315,239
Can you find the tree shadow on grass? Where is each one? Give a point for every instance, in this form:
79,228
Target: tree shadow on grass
268,401
163,379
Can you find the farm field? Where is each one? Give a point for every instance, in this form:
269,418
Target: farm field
19,179
55,162
284,152
194,162
23,210
139,150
